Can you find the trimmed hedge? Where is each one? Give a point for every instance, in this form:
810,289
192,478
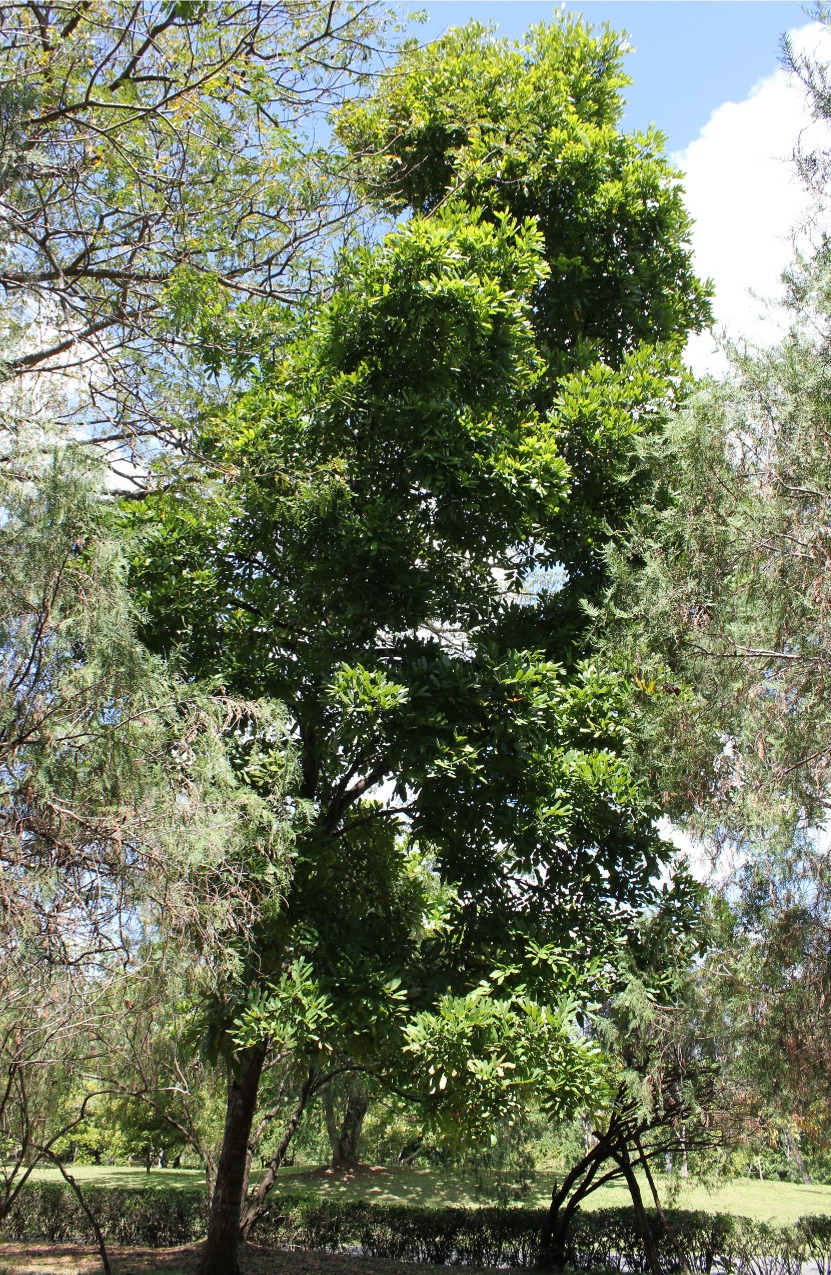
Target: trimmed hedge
605,1242
469,1237
147,1217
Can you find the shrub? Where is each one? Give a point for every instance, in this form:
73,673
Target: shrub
605,1242
474,1237
159,1217
816,1237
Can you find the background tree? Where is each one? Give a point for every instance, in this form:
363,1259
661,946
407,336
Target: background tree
160,1100
344,1121
159,166
120,816
719,613
766,978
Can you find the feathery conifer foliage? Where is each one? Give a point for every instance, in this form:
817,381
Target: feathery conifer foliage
122,822
720,616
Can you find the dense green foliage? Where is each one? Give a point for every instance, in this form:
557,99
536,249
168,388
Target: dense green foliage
532,130
355,541
371,606
158,1218
99,742
393,475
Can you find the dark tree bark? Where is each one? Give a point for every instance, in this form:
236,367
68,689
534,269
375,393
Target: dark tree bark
256,1205
344,1136
221,1254
99,1237
607,1160
345,1152
590,1173
566,1198
668,1231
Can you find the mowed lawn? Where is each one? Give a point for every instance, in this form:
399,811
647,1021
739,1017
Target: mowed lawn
779,1202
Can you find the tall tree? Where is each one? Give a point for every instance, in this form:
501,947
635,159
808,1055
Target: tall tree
120,814
357,547
721,595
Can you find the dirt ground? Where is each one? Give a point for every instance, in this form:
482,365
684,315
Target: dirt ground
78,1259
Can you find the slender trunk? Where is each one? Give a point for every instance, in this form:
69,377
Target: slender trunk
99,1237
685,1168
220,1255
577,1184
331,1118
797,1155
651,1253
668,1231
555,1228
254,1208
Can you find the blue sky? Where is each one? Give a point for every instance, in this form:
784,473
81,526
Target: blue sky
690,55
708,73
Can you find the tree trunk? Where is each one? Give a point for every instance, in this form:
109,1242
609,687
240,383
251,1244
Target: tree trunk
650,1251
668,1231
685,1168
345,1150
220,1255
102,1248
344,1136
554,1237
797,1155
255,1207
555,1228
331,1117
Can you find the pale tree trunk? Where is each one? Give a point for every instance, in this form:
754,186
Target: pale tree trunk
651,1253
795,1152
220,1255
345,1136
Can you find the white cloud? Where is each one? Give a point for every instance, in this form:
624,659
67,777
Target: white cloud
746,200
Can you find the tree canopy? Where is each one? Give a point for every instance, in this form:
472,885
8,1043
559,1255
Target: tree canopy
159,163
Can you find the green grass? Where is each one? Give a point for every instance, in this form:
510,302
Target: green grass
779,1202
104,1175
766,1201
